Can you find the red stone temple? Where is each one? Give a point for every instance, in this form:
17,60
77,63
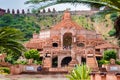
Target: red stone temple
67,44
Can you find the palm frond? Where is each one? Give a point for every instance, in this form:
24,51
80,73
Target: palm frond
80,72
10,39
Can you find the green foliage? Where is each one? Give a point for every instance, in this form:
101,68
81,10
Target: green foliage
97,18
26,24
10,41
83,21
10,59
117,62
108,54
20,62
80,72
101,62
112,32
32,54
5,70
113,16
37,62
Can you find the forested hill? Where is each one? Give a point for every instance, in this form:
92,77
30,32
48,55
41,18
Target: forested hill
26,24
29,24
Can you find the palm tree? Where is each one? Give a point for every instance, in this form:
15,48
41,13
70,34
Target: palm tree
10,40
112,5
80,72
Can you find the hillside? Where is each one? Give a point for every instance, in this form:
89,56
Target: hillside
29,24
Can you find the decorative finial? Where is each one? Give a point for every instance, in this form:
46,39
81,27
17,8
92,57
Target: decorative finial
67,15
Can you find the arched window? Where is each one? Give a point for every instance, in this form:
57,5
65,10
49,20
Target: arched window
55,44
80,44
65,61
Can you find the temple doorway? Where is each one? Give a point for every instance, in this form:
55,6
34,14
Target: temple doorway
55,62
65,61
83,60
67,40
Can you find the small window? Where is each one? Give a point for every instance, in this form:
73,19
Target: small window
55,44
47,55
40,49
98,50
80,45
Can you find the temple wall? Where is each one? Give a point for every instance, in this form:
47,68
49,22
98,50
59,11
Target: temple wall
108,76
44,34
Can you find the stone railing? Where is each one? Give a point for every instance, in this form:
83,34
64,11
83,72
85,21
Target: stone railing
17,69
105,76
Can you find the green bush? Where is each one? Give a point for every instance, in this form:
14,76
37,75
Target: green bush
20,62
112,32
113,16
108,54
5,70
101,62
117,62
37,62
32,54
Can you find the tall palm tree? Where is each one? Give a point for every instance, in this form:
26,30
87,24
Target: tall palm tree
80,72
112,5
10,40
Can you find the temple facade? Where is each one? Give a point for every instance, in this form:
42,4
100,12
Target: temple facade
67,44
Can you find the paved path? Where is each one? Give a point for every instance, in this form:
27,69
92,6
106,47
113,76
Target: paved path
33,77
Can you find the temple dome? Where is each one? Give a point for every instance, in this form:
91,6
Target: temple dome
67,22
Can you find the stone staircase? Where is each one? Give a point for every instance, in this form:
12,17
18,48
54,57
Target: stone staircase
92,62
73,63
47,62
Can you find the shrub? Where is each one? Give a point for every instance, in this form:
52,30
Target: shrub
113,16
20,62
37,62
5,70
101,62
108,54
117,62
112,32
32,54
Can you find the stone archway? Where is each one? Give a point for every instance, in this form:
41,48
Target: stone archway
65,61
67,40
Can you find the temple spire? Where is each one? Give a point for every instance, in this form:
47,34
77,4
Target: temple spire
67,15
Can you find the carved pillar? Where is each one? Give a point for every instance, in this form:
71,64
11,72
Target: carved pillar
62,39
79,59
119,53
59,61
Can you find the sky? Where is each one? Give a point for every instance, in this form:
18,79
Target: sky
19,4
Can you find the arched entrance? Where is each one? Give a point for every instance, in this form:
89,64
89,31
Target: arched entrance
83,60
55,62
67,40
65,61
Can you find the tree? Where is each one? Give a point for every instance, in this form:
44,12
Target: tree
108,54
32,54
10,40
30,26
80,72
112,5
